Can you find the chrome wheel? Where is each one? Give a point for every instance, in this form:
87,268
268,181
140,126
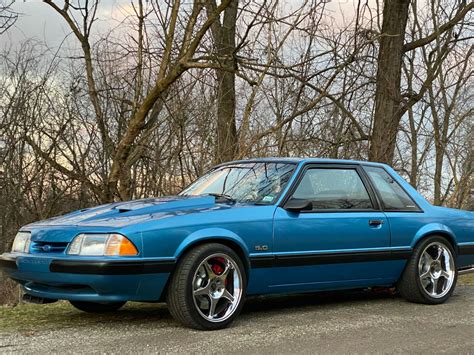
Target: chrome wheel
217,287
436,270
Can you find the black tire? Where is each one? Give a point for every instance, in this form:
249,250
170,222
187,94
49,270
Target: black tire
97,307
180,298
410,286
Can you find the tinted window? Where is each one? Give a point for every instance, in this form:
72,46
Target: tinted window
333,189
393,196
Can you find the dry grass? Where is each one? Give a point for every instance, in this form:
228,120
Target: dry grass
29,318
467,279
9,292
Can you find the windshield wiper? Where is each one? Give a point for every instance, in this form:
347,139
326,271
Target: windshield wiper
222,197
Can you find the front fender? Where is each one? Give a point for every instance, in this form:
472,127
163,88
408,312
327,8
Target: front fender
209,234
434,228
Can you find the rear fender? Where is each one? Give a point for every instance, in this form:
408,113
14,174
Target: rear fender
435,228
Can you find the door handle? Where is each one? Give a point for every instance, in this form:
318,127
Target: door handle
375,222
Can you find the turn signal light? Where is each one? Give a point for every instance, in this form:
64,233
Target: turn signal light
118,245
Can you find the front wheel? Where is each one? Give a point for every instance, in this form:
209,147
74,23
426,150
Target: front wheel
97,307
430,276
208,287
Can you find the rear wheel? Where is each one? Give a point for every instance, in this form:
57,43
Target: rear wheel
97,307
208,287
430,276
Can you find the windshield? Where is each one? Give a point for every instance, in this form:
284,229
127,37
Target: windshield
259,183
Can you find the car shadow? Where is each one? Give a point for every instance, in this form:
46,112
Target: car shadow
158,314
302,300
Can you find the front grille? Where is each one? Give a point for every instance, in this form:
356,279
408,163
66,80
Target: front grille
48,247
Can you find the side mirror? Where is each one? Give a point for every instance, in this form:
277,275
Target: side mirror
296,205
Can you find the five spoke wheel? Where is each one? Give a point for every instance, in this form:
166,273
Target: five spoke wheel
430,275
217,287
207,289
436,269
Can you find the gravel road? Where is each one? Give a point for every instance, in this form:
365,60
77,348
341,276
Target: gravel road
343,322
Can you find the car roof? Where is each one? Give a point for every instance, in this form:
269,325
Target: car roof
298,160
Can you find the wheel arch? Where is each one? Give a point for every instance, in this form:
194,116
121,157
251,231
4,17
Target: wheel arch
211,235
231,243
436,229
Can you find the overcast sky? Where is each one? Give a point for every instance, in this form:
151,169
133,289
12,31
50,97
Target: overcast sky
38,21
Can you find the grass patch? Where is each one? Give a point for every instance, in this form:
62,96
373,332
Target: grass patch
29,318
467,279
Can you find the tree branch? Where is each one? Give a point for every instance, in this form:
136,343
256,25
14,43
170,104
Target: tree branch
443,28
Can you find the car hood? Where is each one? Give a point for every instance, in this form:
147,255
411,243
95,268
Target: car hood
121,214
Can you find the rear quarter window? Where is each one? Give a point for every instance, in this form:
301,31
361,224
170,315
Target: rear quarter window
394,198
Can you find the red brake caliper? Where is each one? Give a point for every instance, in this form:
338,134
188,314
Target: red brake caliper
218,267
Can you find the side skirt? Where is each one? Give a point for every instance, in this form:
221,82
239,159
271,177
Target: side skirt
287,260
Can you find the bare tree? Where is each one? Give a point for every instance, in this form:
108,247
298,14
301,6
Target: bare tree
389,107
176,58
8,17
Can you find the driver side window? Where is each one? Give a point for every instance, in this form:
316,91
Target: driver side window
333,189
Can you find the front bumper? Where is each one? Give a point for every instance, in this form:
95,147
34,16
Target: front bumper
88,279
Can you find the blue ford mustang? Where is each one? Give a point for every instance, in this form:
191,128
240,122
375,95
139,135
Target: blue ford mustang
248,227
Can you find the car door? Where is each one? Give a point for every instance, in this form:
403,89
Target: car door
342,239
405,216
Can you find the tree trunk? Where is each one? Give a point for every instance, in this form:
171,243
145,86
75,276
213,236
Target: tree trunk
413,150
439,155
226,129
469,172
387,95
224,42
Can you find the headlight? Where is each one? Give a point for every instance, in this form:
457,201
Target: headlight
22,242
102,245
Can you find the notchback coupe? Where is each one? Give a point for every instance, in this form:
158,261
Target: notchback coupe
261,226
